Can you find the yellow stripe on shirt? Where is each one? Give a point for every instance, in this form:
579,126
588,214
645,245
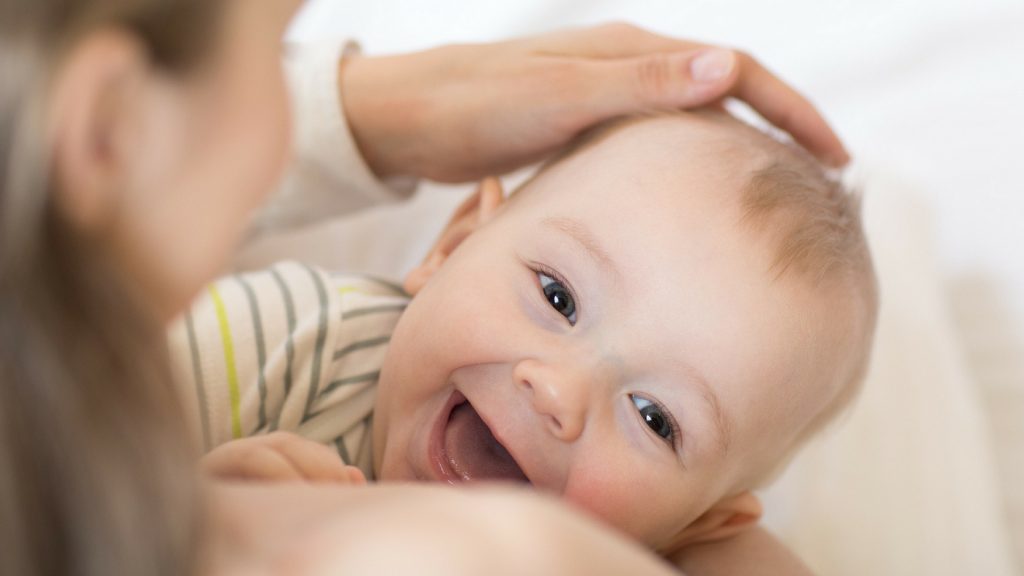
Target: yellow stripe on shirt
235,396
343,290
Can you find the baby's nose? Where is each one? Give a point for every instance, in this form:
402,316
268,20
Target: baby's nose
559,396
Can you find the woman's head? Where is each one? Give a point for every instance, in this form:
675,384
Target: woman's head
135,138
161,151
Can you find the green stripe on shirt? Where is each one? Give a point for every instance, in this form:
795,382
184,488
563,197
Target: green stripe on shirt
197,376
289,343
361,345
321,339
261,349
349,314
357,379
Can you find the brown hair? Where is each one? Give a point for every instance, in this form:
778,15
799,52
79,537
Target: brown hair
816,226
95,473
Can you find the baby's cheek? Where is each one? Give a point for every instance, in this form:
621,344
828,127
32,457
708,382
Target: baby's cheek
634,504
477,323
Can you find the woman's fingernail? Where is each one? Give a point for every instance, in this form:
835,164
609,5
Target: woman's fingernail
712,65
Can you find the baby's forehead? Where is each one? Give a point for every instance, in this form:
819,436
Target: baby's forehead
658,159
668,180
649,186
715,139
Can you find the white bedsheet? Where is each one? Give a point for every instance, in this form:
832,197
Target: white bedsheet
924,476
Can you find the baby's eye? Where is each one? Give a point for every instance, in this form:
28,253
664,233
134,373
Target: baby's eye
656,417
559,297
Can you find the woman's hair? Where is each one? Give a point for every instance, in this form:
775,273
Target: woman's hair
96,476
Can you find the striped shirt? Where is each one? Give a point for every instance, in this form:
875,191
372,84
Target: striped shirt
290,348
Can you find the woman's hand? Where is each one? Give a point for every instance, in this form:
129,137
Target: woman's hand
279,457
462,112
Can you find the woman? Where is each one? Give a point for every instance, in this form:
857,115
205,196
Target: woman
136,137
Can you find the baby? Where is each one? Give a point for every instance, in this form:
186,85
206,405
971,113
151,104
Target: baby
648,328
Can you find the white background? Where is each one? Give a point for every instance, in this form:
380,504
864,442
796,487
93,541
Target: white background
932,89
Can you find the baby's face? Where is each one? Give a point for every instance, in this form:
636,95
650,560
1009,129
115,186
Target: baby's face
614,336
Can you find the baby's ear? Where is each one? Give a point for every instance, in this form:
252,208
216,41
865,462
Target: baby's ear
728,517
470,215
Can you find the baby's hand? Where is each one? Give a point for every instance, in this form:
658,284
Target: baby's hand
279,457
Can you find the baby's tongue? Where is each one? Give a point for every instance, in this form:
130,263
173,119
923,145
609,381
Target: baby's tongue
473,452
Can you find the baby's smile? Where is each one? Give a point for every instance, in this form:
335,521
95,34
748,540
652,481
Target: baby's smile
463,447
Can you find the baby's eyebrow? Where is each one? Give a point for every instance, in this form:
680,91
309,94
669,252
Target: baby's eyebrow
722,426
579,232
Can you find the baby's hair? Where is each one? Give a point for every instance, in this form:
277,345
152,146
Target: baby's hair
815,219
816,226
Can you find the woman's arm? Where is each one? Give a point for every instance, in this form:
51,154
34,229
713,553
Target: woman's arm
409,529
753,551
367,127
327,176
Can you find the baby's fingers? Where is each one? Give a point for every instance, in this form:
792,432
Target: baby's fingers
252,462
313,461
355,475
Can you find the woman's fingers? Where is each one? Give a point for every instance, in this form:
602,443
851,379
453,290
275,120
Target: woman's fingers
460,113
655,72
787,109
613,40
656,81
698,78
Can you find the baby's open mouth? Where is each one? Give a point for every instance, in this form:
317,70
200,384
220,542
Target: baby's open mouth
473,453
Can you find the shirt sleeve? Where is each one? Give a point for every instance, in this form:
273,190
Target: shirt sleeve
289,348
327,175
252,347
